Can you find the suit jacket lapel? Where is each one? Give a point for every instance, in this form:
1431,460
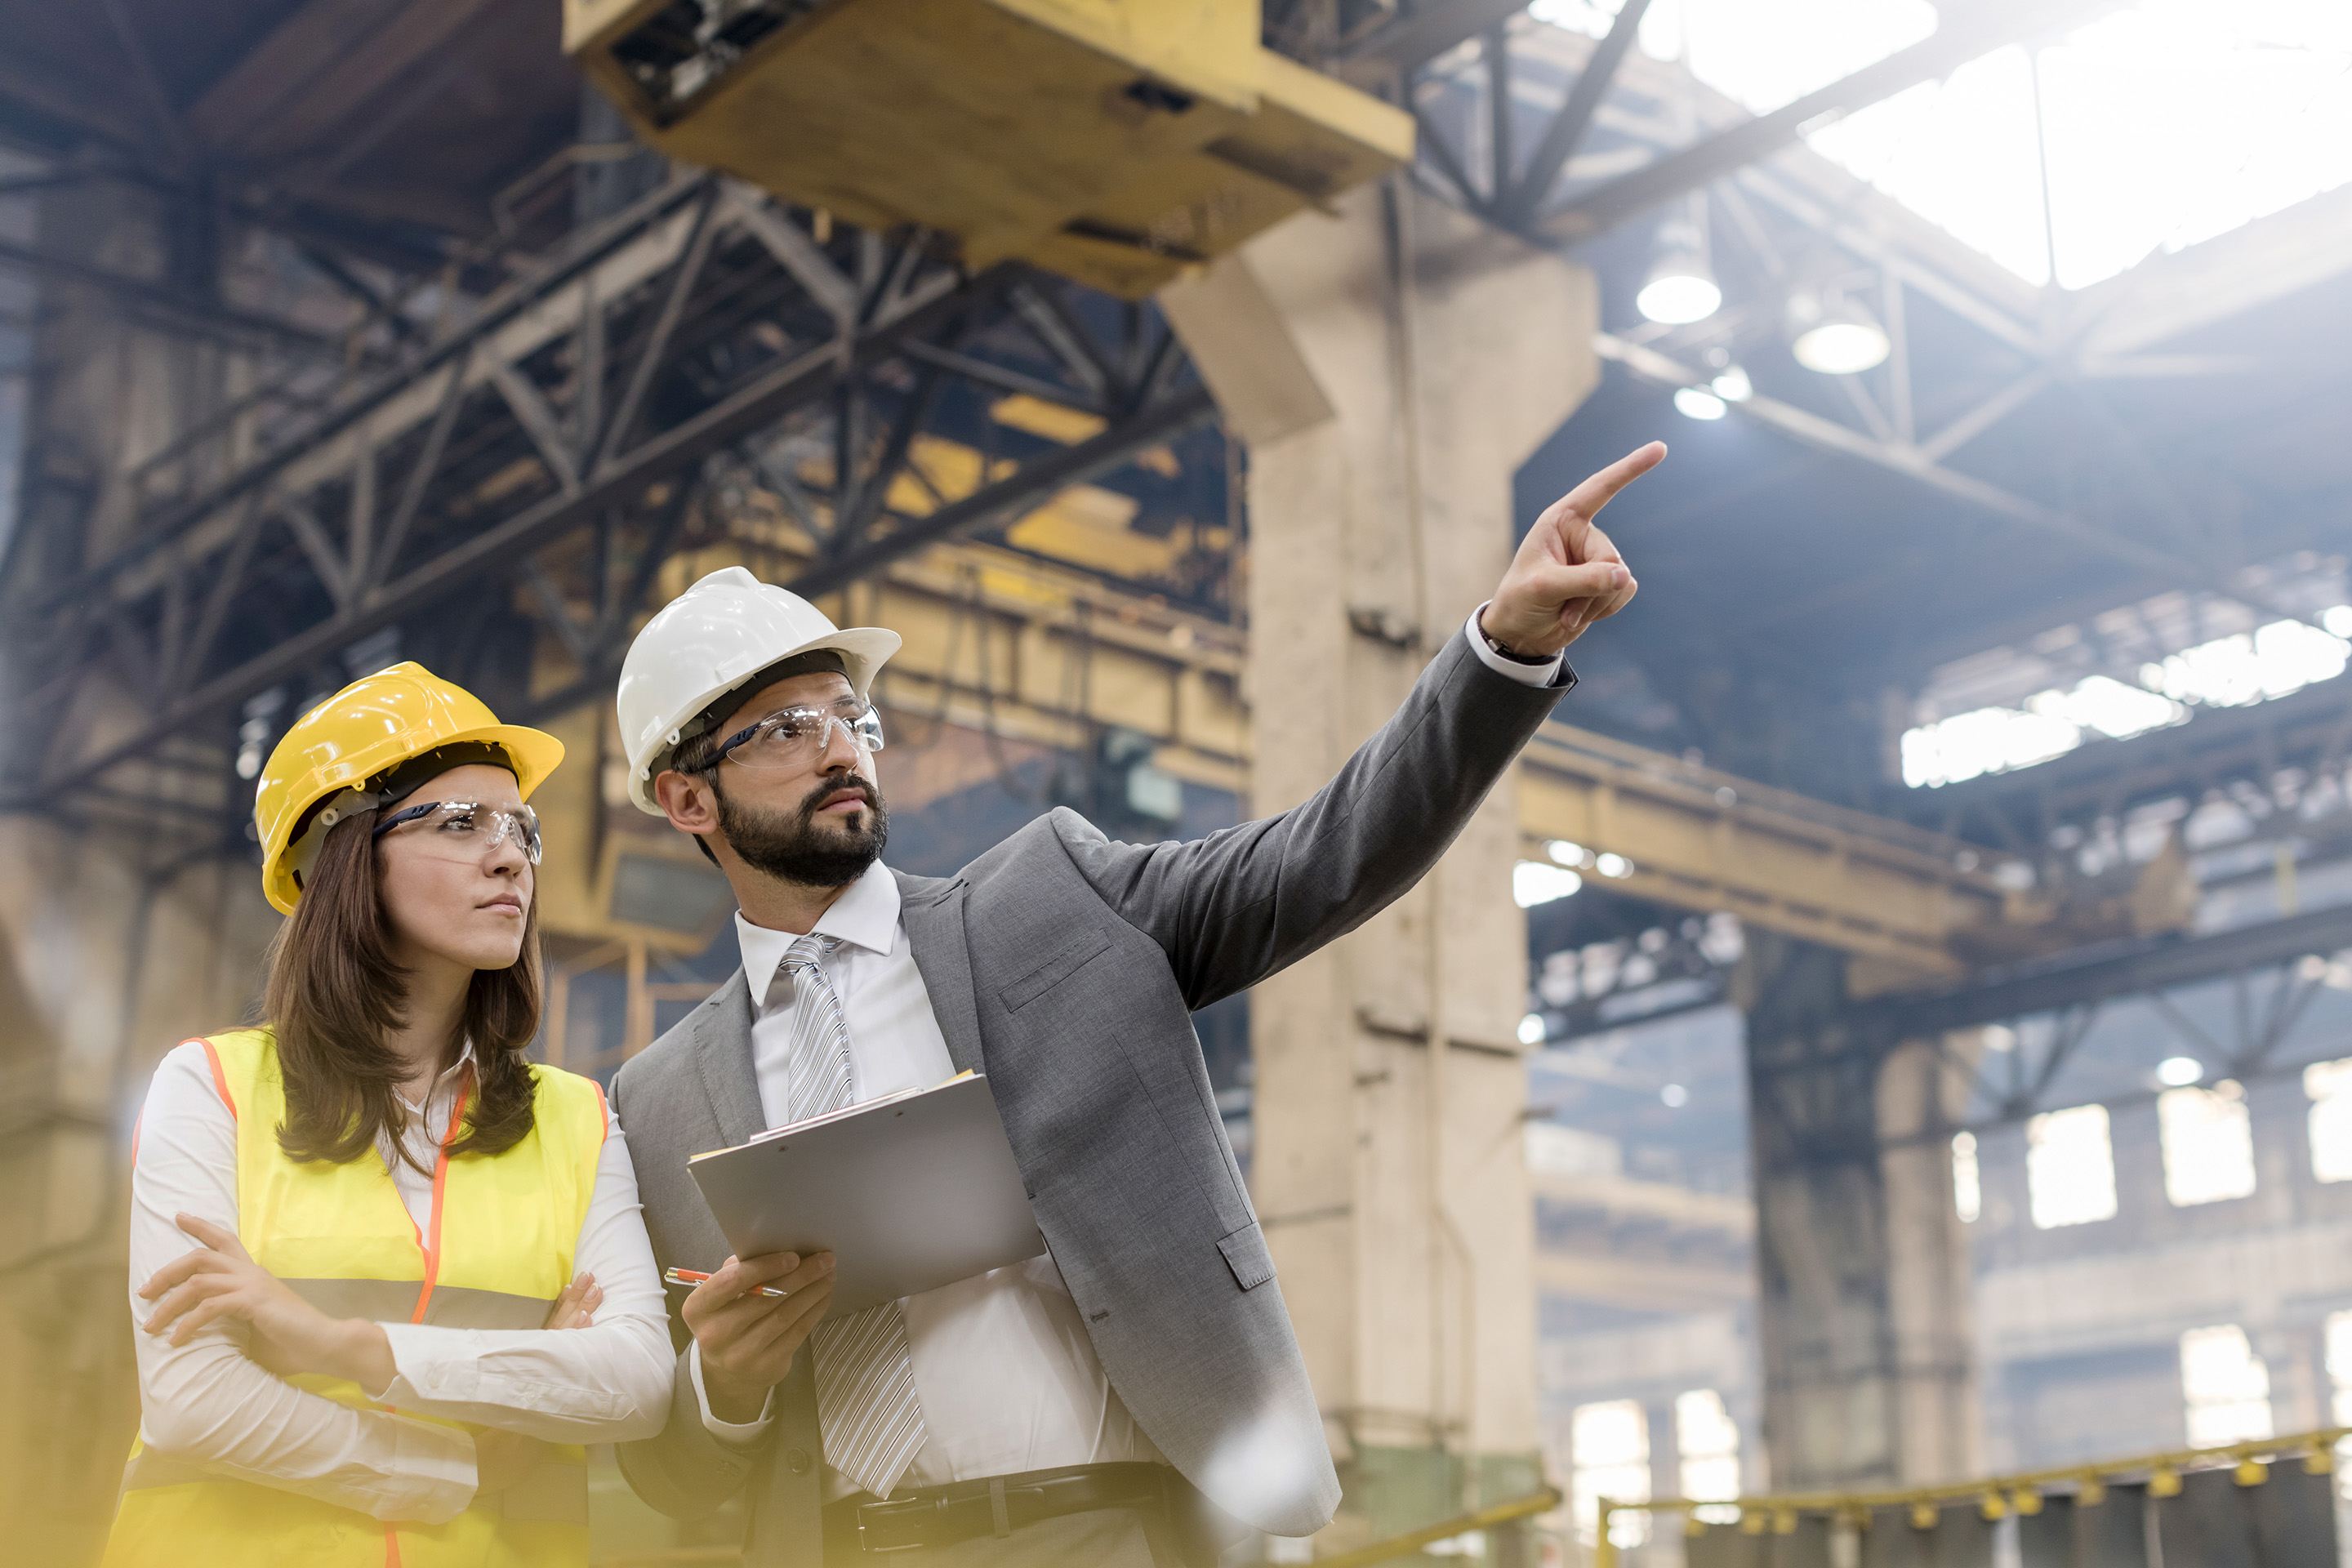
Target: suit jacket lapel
722,1052
933,911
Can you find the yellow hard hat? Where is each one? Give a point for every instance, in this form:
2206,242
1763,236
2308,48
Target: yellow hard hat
355,739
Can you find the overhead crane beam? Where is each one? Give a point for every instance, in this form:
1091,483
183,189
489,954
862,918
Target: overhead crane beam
1696,839
1928,905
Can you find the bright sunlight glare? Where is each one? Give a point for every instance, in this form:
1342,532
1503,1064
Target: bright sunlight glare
2166,123
1533,883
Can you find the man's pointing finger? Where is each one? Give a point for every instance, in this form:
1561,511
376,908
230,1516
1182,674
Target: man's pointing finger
1585,501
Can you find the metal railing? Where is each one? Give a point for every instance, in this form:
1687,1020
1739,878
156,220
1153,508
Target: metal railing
1361,1557
1445,1529
1996,1497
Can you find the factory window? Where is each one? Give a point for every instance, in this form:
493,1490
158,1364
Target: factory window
1968,1186
2339,1379
2070,1167
2225,1386
1707,1440
2329,1084
1609,1444
2208,1143
2339,1366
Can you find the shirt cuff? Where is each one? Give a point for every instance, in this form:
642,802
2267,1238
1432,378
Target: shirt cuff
432,1479
430,1365
1544,674
725,1431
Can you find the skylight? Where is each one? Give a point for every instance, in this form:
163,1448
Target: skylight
2165,123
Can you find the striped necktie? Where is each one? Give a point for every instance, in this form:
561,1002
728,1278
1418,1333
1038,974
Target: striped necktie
866,1406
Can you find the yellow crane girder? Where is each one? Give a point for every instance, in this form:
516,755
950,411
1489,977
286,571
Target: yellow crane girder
1920,905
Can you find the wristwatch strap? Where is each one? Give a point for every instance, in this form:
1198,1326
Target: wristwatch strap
1511,654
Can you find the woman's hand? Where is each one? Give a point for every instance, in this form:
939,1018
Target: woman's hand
502,1458
220,1280
576,1307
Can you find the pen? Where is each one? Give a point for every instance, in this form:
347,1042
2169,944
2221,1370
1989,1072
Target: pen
696,1277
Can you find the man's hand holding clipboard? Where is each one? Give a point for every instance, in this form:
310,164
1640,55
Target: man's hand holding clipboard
747,1336
913,1191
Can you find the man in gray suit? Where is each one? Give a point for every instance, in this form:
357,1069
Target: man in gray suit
1117,1400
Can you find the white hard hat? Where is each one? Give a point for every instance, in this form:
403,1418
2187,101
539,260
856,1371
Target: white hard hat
716,637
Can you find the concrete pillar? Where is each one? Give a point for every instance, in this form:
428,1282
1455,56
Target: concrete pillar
1390,364
1863,1280
1930,1274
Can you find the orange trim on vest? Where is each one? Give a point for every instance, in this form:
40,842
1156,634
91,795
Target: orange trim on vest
220,1078
603,1108
440,1184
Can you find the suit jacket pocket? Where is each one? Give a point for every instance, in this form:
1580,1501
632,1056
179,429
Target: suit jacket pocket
1053,971
1246,1256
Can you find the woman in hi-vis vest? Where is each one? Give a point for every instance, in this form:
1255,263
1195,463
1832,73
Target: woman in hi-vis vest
389,1275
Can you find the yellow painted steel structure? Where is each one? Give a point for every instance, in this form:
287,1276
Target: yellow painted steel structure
1996,1497
1698,838
1919,904
1111,142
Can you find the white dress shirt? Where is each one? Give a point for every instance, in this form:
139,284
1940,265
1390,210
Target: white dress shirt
1007,1377
207,1402
1542,673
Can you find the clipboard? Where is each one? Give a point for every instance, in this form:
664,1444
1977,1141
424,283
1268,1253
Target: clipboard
909,1193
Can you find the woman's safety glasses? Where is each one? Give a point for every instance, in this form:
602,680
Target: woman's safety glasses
797,737
464,830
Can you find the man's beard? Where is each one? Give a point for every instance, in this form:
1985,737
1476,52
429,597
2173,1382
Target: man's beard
790,847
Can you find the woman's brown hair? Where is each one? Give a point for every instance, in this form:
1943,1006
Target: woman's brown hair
334,992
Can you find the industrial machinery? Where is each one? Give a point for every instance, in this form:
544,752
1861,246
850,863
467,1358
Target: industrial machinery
1114,141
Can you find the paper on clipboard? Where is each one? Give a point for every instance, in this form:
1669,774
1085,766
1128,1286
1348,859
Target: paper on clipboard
909,1193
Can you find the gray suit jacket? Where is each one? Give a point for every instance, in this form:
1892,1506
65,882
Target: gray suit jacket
1065,967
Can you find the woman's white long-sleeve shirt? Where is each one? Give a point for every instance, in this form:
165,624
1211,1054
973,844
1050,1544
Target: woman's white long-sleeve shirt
207,1402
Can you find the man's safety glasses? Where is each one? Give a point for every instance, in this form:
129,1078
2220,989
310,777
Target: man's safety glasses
465,830
796,737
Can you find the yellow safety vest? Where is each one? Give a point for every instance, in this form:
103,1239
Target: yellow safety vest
495,1253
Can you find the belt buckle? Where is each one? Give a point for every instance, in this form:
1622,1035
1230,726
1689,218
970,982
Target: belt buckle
865,1545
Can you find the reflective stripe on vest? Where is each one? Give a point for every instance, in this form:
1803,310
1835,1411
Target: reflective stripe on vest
494,1252
555,1493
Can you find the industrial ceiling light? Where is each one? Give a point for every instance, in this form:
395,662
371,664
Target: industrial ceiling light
1681,287
1835,335
1698,403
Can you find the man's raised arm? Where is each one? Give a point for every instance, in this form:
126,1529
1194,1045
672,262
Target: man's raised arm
1240,904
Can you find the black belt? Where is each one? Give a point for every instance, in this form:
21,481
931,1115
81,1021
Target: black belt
999,1505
